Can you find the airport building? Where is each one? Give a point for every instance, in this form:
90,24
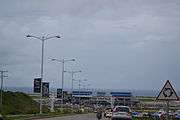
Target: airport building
80,97
104,98
122,98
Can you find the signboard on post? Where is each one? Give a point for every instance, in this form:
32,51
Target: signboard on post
167,92
45,89
37,85
59,93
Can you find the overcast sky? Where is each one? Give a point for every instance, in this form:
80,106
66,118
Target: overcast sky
121,44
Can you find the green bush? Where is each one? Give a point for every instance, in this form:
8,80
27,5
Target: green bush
18,103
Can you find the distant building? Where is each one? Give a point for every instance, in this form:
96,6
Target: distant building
80,97
102,98
122,98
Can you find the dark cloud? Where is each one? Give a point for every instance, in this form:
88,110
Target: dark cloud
117,43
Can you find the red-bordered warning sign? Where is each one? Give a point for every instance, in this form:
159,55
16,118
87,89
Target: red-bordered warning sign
167,92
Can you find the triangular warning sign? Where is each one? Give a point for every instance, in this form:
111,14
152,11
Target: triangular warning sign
167,92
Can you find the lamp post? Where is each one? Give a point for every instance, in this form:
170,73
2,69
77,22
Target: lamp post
89,90
72,77
2,77
79,84
72,80
42,39
62,61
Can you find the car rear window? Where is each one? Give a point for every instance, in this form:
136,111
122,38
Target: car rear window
108,108
122,109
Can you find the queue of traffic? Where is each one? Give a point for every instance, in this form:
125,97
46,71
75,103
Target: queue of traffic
126,113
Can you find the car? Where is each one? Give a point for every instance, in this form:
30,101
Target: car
121,113
108,112
136,114
177,114
159,114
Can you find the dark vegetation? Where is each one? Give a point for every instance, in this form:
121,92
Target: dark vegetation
18,103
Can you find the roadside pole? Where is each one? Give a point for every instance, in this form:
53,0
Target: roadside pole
2,77
52,99
167,111
112,102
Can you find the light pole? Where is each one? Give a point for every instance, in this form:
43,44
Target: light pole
2,77
62,61
79,84
72,78
42,39
88,87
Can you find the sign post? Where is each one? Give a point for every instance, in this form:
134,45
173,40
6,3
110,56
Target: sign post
167,94
59,93
167,111
37,85
45,89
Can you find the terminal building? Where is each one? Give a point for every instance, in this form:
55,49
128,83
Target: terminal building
104,98
122,98
80,97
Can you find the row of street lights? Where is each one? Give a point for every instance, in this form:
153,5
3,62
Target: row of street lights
63,61
80,84
72,79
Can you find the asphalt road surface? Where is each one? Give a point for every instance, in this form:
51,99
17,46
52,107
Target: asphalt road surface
76,117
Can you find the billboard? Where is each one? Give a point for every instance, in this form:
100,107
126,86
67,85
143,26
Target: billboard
65,94
37,85
121,94
59,93
45,90
82,93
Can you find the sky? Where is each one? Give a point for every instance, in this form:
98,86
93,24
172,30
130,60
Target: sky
117,44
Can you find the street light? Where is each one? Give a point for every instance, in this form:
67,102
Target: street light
87,87
72,77
43,38
2,78
62,61
79,84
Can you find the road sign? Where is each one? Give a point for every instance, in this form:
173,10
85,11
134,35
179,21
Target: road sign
167,92
59,93
45,90
37,85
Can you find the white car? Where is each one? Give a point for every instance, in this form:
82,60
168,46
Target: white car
121,113
159,114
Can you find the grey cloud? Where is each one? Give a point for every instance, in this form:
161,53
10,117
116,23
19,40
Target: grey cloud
118,43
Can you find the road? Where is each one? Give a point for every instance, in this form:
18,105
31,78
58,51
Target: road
75,117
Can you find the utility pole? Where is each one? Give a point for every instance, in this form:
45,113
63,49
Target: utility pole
2,77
